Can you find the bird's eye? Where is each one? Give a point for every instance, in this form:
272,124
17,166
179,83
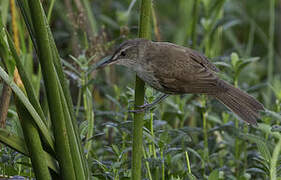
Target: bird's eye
123,53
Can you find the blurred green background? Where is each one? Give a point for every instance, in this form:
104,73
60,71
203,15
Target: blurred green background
185,137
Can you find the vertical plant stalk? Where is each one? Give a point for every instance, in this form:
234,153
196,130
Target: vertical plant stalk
50,10
33,143
270,47
91,17
89,114
7,92
47,138
52,88
147,165
15,34
77,152
162,163
274,160
187,162
4,104
14,24
155,24
194,23
30,131
205,129
144,32
152,145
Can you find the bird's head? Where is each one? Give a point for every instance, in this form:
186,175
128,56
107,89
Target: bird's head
127,54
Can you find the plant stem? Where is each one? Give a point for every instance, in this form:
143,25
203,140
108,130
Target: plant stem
274,159
194,23
155,24
147,164
205,129
52,88
4,104
50,10
137,131
91,16
187,162
33,143
162,164
89,114
270,48
15,25
144,32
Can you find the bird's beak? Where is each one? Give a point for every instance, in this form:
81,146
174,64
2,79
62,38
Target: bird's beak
108,60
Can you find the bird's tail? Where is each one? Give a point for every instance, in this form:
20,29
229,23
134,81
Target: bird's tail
240,103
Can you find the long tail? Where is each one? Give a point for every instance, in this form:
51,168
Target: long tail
240,103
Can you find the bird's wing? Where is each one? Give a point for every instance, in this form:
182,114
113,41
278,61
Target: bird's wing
201,59
180,71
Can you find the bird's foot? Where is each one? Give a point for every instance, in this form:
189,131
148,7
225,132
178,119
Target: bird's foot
141,108
147,106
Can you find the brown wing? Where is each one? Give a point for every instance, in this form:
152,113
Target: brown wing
182,70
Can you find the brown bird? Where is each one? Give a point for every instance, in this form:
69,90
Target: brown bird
174,69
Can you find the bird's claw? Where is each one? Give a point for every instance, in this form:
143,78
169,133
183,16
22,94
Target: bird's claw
140,109
137,110
145,106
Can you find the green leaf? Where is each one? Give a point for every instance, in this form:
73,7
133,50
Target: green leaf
219,63
191,176
4,53
13,141
30,93
261,143
214,175
40,123
241,64
18,144
234,59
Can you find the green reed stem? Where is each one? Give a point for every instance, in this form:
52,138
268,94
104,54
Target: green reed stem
274,159
53,92
33,143
144,32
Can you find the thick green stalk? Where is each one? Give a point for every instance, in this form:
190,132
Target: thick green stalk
33,143
144,32
79,161
52,89
137,130
80,164
30,93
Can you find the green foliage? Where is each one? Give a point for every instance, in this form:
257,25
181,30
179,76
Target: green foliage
184,137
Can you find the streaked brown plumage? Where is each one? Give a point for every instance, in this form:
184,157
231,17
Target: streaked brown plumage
174,69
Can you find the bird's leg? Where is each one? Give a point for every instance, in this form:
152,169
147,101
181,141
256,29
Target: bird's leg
161,98
148,106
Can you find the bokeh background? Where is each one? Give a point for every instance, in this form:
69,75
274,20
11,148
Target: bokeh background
187,136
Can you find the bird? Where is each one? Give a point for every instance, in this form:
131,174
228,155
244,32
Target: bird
173,69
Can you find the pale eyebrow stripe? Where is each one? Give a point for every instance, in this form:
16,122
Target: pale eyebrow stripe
120,51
